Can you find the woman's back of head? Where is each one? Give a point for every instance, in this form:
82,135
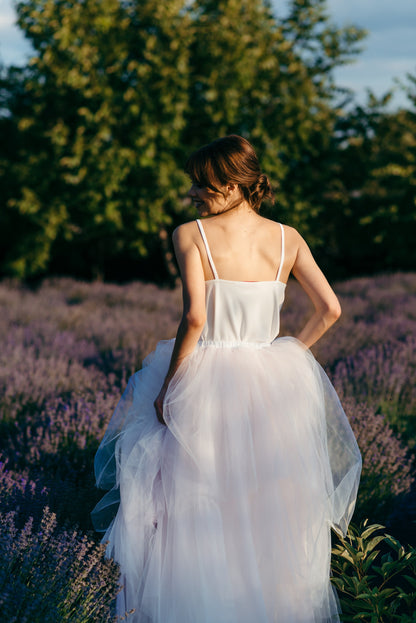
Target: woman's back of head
230,159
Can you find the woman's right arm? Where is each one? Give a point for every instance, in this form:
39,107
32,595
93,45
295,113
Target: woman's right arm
316,286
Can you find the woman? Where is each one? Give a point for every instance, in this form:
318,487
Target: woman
229,453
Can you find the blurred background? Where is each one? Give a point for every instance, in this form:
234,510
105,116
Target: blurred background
102,101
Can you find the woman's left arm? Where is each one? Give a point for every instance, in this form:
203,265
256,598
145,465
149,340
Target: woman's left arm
193,294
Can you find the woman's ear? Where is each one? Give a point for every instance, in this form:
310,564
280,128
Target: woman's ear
231,188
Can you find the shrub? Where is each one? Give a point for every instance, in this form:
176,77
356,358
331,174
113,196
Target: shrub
68,347
375,577
375,310
55,446
49,575
20,494
383,376
388,469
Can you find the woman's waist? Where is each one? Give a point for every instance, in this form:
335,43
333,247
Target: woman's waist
233,343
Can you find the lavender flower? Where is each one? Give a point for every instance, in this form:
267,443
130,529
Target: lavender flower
68,348
50,575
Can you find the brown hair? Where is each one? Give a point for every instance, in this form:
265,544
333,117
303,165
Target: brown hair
230,159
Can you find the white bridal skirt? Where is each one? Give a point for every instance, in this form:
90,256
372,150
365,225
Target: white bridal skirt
224,515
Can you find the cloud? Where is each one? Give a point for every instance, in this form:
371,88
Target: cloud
14,48
7,14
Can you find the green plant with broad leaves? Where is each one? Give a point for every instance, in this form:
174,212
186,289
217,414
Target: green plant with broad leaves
375,576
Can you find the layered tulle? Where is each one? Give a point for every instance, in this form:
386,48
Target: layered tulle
224,515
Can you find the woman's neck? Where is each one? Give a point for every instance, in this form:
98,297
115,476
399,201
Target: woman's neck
239,211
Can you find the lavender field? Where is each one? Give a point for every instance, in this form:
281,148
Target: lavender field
68,348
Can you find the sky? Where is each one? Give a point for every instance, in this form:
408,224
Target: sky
390,48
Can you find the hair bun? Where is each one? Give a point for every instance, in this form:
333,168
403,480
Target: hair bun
230,159
261,190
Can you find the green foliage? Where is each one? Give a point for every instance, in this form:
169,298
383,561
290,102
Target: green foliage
270,79
98,126
370,194
119,93
375,577
105,98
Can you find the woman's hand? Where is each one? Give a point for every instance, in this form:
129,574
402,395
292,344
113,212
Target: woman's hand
158,404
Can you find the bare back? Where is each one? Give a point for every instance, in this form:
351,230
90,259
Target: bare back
247,247
248,251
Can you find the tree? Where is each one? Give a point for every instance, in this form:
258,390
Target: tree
370,198
271,79
96,163
120,91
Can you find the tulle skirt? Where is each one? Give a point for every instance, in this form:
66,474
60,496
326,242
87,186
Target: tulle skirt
224,515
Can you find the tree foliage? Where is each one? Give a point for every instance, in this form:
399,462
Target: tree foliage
375,576
270,79
100,112
99,124
370,195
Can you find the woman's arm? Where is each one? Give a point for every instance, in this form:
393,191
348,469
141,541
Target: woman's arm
194,314
313,281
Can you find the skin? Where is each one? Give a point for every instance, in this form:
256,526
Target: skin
245,247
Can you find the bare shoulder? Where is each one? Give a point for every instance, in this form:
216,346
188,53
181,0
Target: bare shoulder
274,226
186,229
291,233
185,235
293,239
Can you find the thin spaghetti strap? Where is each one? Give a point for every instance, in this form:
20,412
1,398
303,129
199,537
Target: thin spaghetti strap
282,254
204,238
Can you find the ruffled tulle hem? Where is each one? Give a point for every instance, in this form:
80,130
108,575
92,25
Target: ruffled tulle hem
224,515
